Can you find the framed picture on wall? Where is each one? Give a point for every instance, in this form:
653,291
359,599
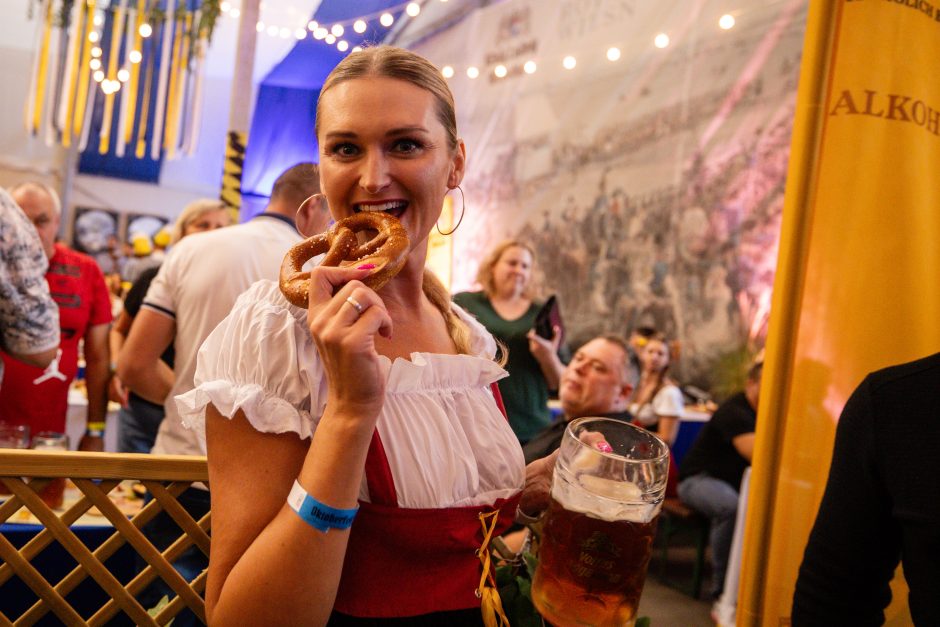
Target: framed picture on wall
95,233
144,224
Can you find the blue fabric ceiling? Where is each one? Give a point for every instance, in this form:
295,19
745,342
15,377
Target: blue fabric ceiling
282,126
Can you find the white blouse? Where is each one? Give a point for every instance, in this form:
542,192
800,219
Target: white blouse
447,443
667,402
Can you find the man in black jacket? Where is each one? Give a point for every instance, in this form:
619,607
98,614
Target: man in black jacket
881,505
710,475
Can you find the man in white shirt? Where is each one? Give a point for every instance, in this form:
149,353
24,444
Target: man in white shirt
194,290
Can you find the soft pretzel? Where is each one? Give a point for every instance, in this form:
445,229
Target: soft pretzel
387,251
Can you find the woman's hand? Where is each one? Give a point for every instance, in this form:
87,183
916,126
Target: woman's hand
344,316
546,353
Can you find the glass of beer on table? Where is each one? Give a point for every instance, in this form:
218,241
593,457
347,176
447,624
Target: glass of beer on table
53,494
608,487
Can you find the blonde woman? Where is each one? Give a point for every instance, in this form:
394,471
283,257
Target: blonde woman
356,451
507,308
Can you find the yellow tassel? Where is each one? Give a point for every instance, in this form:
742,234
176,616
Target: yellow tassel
180,51
144,112
72,73
117,26
84,70
490,603
133,83
43,69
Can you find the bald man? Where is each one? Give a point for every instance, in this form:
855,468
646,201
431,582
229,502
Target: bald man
39,397
598,382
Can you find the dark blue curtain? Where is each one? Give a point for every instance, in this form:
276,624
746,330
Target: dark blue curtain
282,126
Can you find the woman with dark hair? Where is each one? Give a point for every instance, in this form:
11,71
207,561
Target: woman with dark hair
506,306
658,402
358,459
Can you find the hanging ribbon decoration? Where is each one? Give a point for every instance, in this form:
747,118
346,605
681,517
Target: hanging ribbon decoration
147,80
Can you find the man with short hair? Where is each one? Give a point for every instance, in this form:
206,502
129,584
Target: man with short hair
598,381
29,317
39,397
710,475
193,291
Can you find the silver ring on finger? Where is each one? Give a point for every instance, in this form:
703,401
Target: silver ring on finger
355,304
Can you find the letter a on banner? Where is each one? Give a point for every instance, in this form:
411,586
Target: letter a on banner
856,283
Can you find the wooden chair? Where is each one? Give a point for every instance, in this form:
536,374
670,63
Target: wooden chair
674,519
26,472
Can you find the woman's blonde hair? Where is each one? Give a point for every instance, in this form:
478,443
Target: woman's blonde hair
401,64
192,212
485,271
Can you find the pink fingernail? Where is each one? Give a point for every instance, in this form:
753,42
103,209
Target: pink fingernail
366,266
604,447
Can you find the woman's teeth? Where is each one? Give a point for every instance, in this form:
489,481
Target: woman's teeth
386,206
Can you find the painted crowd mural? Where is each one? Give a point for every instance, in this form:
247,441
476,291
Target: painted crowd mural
651,187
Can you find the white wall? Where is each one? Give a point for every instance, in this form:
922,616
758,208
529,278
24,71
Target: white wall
183,180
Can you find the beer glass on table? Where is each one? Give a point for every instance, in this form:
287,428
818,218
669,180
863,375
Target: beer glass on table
12,436
53,494
608,487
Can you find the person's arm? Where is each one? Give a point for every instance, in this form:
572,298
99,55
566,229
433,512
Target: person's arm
546,354
268,565
855,545
744,445
668,429
39,359
97,374
29,317
139,365
668,405
117,391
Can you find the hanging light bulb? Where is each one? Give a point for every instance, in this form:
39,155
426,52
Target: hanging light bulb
98,76
529,67
337,30
569,62
387,20
726,21
123,75
145,30
312,25
413,9
359,26
661,41
447,71
342,45
300,33
499,71
95,64
135,56
330,39
93,36
613,54
473,72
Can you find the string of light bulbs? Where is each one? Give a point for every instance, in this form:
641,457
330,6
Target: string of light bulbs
570,62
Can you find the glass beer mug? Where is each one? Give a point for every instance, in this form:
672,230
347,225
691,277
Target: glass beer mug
53,494
608,487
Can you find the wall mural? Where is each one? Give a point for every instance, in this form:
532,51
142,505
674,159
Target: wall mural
652,186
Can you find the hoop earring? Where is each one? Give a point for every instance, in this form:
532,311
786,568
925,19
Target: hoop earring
320,198
463,208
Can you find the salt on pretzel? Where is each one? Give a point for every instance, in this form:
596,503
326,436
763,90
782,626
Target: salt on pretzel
387,251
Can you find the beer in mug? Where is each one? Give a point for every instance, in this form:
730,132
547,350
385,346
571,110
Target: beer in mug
607,490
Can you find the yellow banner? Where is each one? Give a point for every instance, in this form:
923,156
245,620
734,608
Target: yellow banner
856,284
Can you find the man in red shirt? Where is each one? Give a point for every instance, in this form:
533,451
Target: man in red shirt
39,397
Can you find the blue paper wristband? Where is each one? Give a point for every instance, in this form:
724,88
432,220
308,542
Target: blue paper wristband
319,516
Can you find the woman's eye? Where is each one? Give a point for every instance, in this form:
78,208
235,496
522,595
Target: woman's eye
344,150
406,146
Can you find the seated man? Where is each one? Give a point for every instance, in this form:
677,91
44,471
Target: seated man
710,475
598,382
